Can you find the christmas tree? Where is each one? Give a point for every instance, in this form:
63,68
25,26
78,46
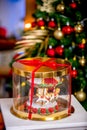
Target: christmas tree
59,31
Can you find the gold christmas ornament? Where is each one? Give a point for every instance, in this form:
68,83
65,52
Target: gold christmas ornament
82,61
73,45
78,28
60,7
66,59
83,40
42,27
80,95
58,34
74,58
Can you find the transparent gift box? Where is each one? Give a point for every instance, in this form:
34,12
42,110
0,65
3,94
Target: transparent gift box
41,88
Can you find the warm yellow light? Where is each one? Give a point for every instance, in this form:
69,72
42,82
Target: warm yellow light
27,25
42,27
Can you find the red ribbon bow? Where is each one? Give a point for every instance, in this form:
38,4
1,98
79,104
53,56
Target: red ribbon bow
38,63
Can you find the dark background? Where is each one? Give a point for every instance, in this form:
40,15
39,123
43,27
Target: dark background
84,8
84,12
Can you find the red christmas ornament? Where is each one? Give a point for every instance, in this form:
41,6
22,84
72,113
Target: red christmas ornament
74,73
33,24
67,29
40,23
51,24
81,46
51,52
73,5
59,50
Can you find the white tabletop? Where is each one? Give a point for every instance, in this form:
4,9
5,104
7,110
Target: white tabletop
77,120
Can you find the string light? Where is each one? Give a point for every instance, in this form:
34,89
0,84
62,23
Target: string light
27,25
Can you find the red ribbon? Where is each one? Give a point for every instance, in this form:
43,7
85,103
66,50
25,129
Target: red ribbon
51,63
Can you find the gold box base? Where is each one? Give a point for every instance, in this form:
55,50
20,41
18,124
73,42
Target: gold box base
54,116
19,112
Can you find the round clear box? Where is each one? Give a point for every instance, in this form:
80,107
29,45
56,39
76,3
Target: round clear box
41,89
